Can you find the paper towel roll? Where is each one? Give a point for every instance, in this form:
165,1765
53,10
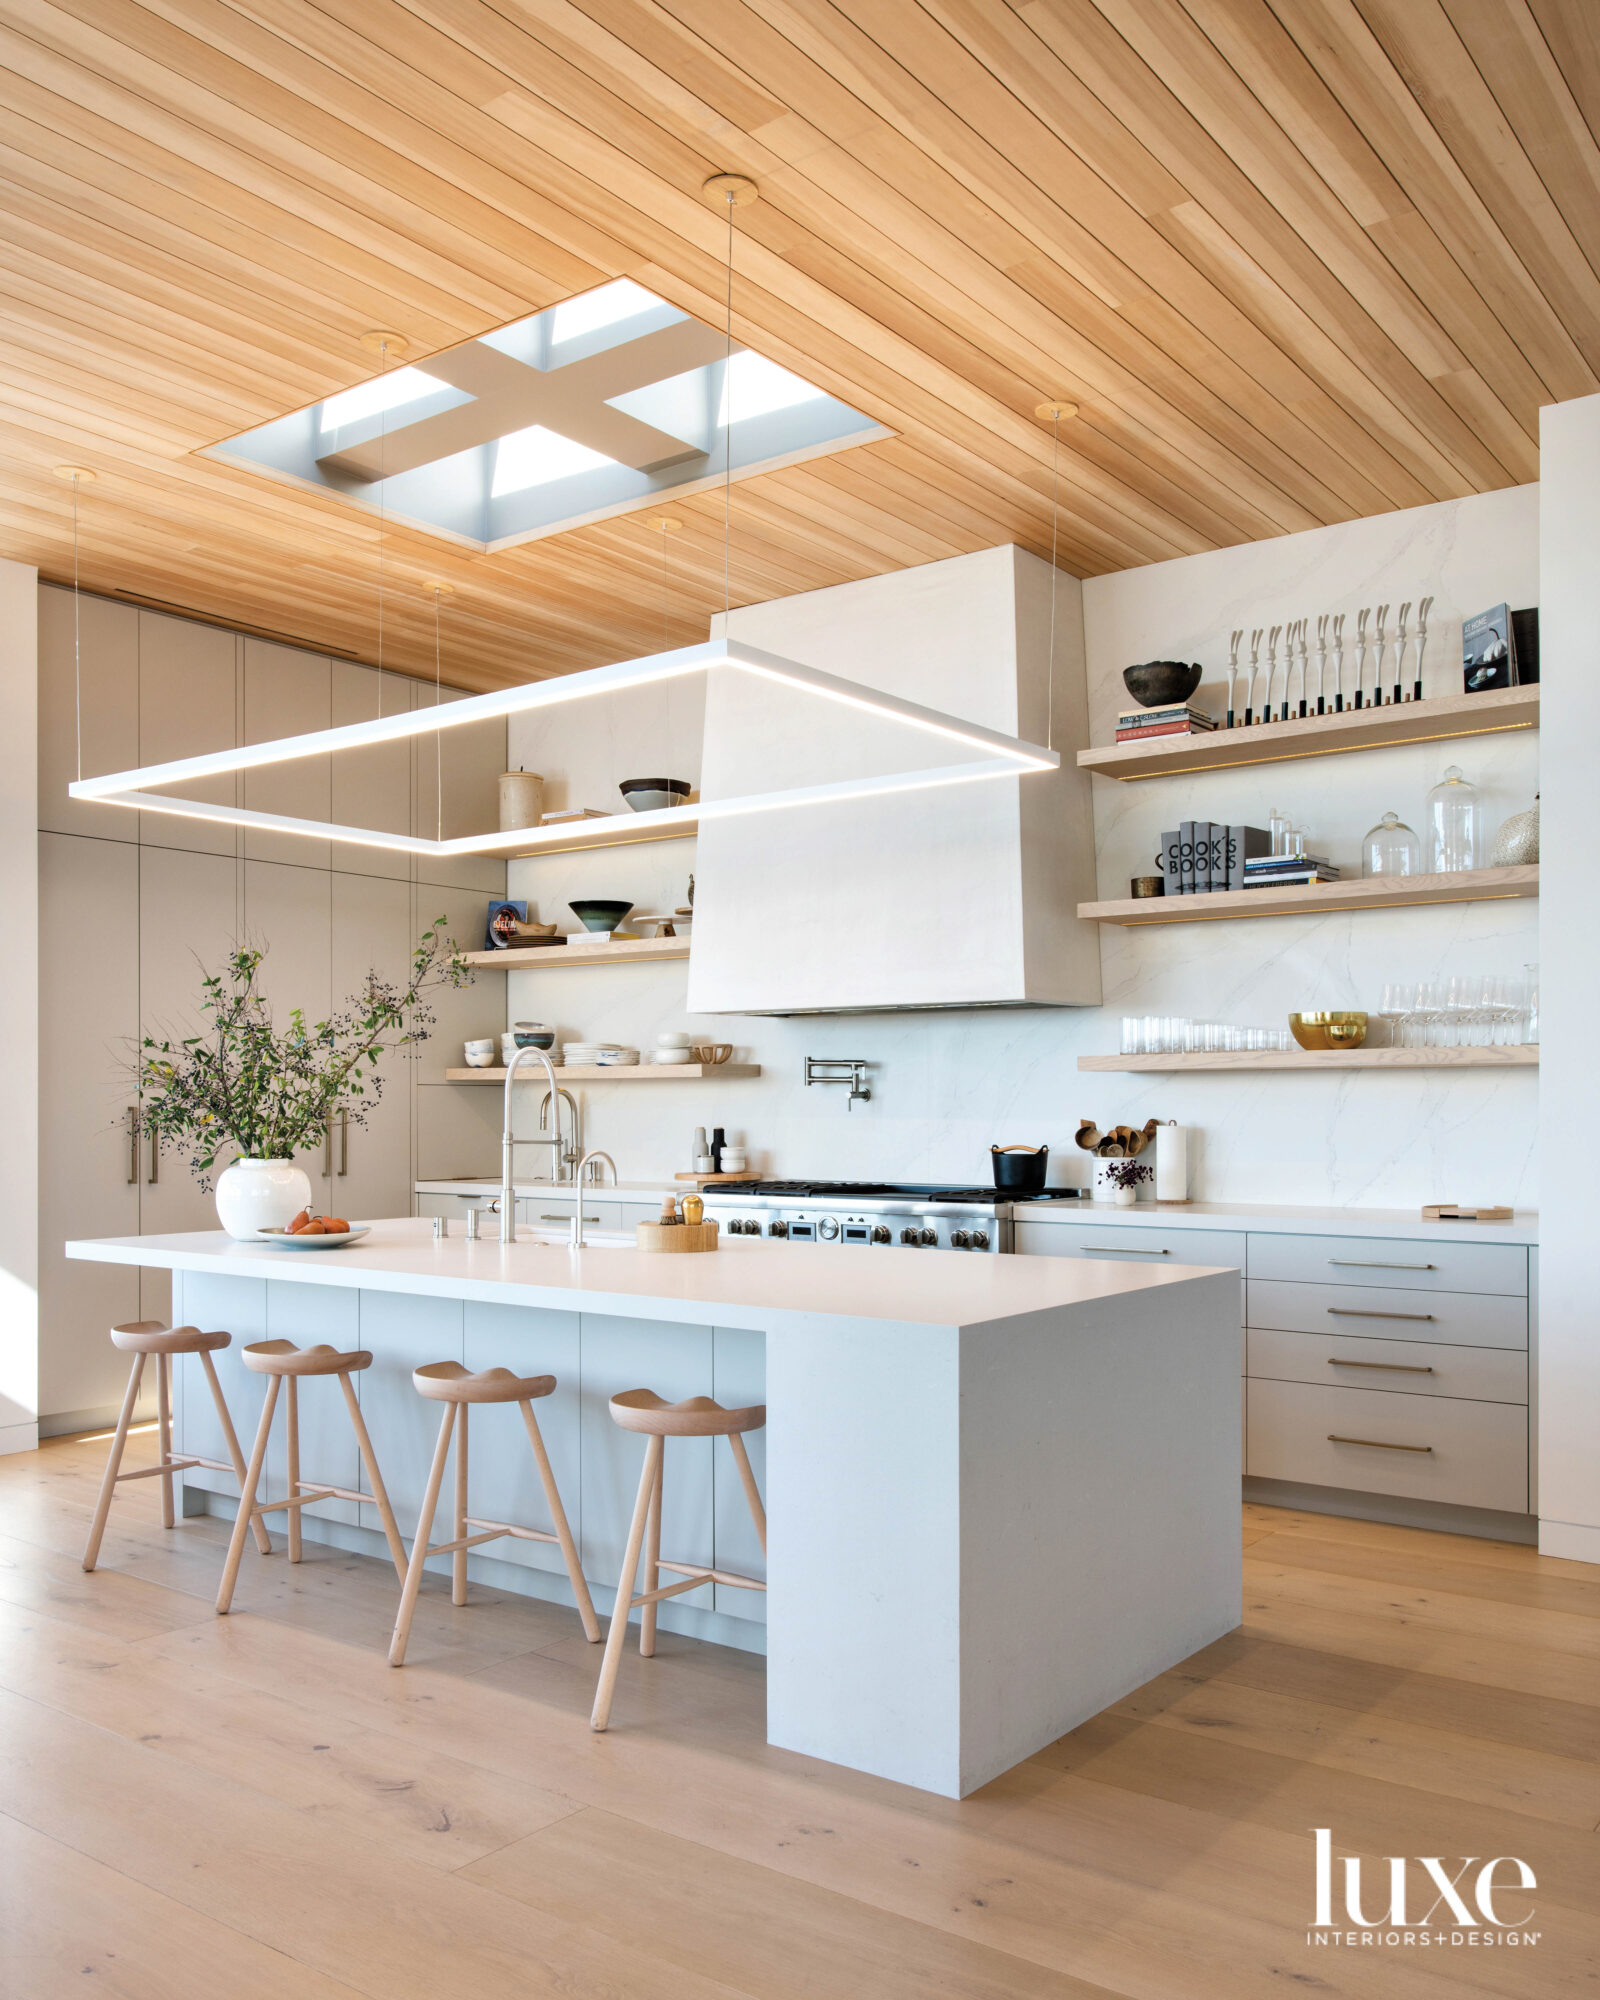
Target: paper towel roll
1172,1163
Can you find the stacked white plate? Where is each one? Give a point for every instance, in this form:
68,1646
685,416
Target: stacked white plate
598,1055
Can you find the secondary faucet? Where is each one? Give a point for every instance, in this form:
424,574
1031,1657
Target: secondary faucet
509,1142
594,1153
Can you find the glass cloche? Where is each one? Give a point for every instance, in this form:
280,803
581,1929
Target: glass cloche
1391,848
1455,825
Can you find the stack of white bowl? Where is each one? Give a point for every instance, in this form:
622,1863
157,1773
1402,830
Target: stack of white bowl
673,1048
480,1055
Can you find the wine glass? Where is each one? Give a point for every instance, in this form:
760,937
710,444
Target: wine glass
1395,1012
1460,1013
1427,1008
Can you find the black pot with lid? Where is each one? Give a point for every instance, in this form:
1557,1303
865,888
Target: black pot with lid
1020,1168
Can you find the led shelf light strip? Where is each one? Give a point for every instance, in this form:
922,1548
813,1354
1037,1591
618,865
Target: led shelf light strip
1001,756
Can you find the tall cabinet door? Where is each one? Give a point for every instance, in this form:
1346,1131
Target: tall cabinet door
287,693
188,704
288,913
89,1170
372,933
87,649
188,922
371,786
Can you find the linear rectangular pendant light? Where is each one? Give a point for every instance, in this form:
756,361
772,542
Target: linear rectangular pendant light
999,756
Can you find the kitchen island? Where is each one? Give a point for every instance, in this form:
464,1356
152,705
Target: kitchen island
1002,1492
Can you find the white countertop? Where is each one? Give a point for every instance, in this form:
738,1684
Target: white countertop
747,1282
1285,1221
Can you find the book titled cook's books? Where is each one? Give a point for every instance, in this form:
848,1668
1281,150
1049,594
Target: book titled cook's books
1489,650
1170,863
1245,844
1216,857
1150,718
1186,833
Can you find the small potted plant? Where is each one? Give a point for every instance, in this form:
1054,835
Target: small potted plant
267,1092
1124,1178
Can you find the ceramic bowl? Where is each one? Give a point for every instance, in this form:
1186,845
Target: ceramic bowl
480,1059
654,794
599,916
534,1035
1159,682
671,1055
1328,1031
674,1041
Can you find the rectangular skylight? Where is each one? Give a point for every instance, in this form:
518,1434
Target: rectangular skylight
536,456
752,386
383,392
604,306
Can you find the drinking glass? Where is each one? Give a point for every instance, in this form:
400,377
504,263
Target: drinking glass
1427,1007
1149,1035
1530,975
1459,1011
1130,1034
1395,1012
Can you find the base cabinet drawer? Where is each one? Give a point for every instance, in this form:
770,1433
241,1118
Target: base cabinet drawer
1436,1265
1111,1241
1467,1319
1395,1367
1465,1454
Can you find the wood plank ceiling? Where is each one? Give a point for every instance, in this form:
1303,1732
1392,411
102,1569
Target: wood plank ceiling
1298,261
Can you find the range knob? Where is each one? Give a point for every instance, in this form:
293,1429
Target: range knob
911,1236
959,1239
827,1229
880,1234
777,1228
929,1236
980,1239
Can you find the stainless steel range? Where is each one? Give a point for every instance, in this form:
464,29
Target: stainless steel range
908,1215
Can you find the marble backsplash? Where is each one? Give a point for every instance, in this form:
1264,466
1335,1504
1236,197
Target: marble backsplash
947,1085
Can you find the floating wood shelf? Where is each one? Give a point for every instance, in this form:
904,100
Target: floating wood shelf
1430,721
611,831
552,958
1520,1056
1321,899
642,1072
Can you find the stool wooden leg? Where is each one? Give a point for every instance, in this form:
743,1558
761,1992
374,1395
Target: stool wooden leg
380,1493
164,1434
609,1666
108,1485
292,1426
752,1492
231,1439
558,1519
652,1561
247,1497
419,1548
458,1562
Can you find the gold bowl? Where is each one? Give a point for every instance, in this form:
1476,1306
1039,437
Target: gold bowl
1328,1031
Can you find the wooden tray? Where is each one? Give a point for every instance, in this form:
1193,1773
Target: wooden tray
679,1238
709,1180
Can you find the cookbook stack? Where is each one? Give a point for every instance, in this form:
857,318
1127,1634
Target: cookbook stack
1179,718
1285,871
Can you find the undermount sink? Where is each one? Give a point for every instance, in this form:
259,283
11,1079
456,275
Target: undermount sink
593,1239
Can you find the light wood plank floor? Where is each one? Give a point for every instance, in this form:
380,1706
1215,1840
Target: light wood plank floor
259,1807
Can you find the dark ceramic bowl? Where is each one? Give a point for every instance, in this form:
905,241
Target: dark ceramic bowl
654,794
596,916
1159,682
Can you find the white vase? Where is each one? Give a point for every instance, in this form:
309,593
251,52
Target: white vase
1125,1197
253,1195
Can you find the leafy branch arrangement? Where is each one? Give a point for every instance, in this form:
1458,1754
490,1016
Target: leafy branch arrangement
268,1093
1128,1173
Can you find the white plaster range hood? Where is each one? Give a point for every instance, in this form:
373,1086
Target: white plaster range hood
964,896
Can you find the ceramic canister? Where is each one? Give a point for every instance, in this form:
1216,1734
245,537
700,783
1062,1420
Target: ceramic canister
521,799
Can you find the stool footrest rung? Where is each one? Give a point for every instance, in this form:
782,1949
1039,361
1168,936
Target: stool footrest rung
169,1465
705,1575
465,1542
509,1528
302,1499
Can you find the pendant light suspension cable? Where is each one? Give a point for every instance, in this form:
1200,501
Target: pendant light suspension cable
727,438
77,650
440,591
383,469
1055,412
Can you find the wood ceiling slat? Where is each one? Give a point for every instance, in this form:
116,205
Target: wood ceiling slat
1297,259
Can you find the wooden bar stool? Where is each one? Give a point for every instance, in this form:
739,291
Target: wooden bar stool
458,1389
142,1338
282,1361
643,1410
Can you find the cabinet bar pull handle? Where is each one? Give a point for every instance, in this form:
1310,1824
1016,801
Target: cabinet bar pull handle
1356,1312
1124,1250
327,1146
567,1218
133,1145
1379,1444
1388,1367
1370,1264
344,1142
155,1158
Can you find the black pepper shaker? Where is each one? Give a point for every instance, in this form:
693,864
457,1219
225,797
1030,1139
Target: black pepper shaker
717,1144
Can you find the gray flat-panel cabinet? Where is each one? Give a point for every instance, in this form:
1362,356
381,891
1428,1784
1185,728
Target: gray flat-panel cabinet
370,1160
90,1161
92,648
371,786
188,704
287,693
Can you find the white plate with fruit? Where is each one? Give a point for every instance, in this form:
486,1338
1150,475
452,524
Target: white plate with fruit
316,1232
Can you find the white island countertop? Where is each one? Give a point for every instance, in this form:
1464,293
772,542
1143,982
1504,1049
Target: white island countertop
746,1282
